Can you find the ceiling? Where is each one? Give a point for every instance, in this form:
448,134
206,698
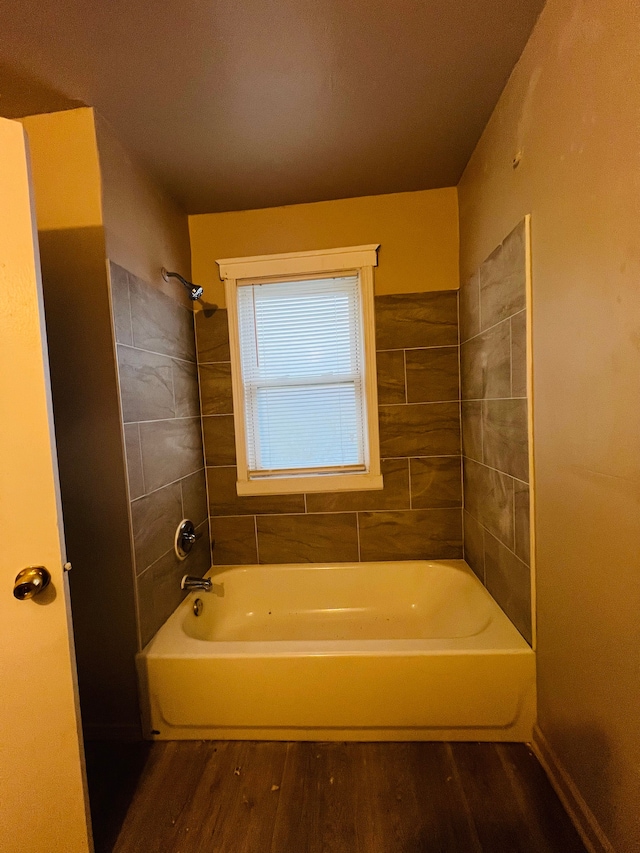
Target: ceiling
239,104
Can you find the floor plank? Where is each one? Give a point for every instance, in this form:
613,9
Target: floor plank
539,804
493,805
271,797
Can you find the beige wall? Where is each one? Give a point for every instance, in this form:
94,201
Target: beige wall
65,169
571,112
145,230
417,232
66,180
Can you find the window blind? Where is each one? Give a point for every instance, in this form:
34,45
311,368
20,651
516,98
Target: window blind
302,361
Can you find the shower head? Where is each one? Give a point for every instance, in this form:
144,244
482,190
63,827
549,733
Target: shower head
195,292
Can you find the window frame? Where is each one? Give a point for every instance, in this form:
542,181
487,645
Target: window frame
239,272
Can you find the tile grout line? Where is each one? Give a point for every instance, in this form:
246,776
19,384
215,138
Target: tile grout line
128,300
382,459
163,420
497,538
511,357
411,349
302,514
204,461
493,326
424,403
514,521
483,399
136,592
406,388
172,483
498,471
386,459
255,529
155,352
144,487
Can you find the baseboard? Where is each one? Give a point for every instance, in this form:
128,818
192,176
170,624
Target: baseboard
581,815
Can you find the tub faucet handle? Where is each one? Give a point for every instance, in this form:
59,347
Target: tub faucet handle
185,537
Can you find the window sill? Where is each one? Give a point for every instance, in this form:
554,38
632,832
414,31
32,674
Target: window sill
319,483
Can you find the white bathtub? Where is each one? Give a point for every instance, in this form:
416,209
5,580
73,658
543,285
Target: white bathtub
352,651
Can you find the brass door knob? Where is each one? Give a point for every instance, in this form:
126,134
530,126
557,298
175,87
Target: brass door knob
31,581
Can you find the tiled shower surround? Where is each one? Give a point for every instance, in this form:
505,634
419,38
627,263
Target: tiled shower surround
157,372
495,436
418,512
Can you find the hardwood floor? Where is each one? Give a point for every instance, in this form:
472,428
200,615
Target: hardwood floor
246,797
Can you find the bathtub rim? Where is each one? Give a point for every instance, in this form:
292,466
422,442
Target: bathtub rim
499,637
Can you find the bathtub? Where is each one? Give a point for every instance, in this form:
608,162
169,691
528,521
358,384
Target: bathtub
350,651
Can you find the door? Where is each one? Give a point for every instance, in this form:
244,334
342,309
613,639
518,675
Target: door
43,804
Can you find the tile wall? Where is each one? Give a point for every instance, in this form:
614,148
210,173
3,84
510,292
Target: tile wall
418,513
495,435
158,382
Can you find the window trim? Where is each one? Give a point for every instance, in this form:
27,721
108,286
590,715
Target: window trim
305,264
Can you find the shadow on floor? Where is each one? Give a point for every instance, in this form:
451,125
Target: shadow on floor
113,772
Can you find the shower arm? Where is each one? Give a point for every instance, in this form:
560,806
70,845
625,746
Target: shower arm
195,292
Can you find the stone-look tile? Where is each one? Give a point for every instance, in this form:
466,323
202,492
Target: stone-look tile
472,429
505,439
509,581
331,538
185,389
219,440
473,544
488,497
390,366
198,561
421,534
417,320
194,497
234,541
433,375
436,482
470,307
224,498
146,385
155,518
519,355
394,495
486,364
503,279
134,460
120,304
159,593
159,323
522,522
212,336
215,389
170,450
420,429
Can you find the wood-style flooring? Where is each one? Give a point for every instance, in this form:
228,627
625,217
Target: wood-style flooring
247,797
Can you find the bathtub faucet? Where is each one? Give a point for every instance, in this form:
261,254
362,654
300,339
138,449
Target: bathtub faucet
190,583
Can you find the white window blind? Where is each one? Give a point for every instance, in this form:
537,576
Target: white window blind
302,361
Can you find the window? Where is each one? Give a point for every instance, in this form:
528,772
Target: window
303,371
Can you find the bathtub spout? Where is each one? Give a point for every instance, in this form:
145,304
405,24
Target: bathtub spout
190,583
